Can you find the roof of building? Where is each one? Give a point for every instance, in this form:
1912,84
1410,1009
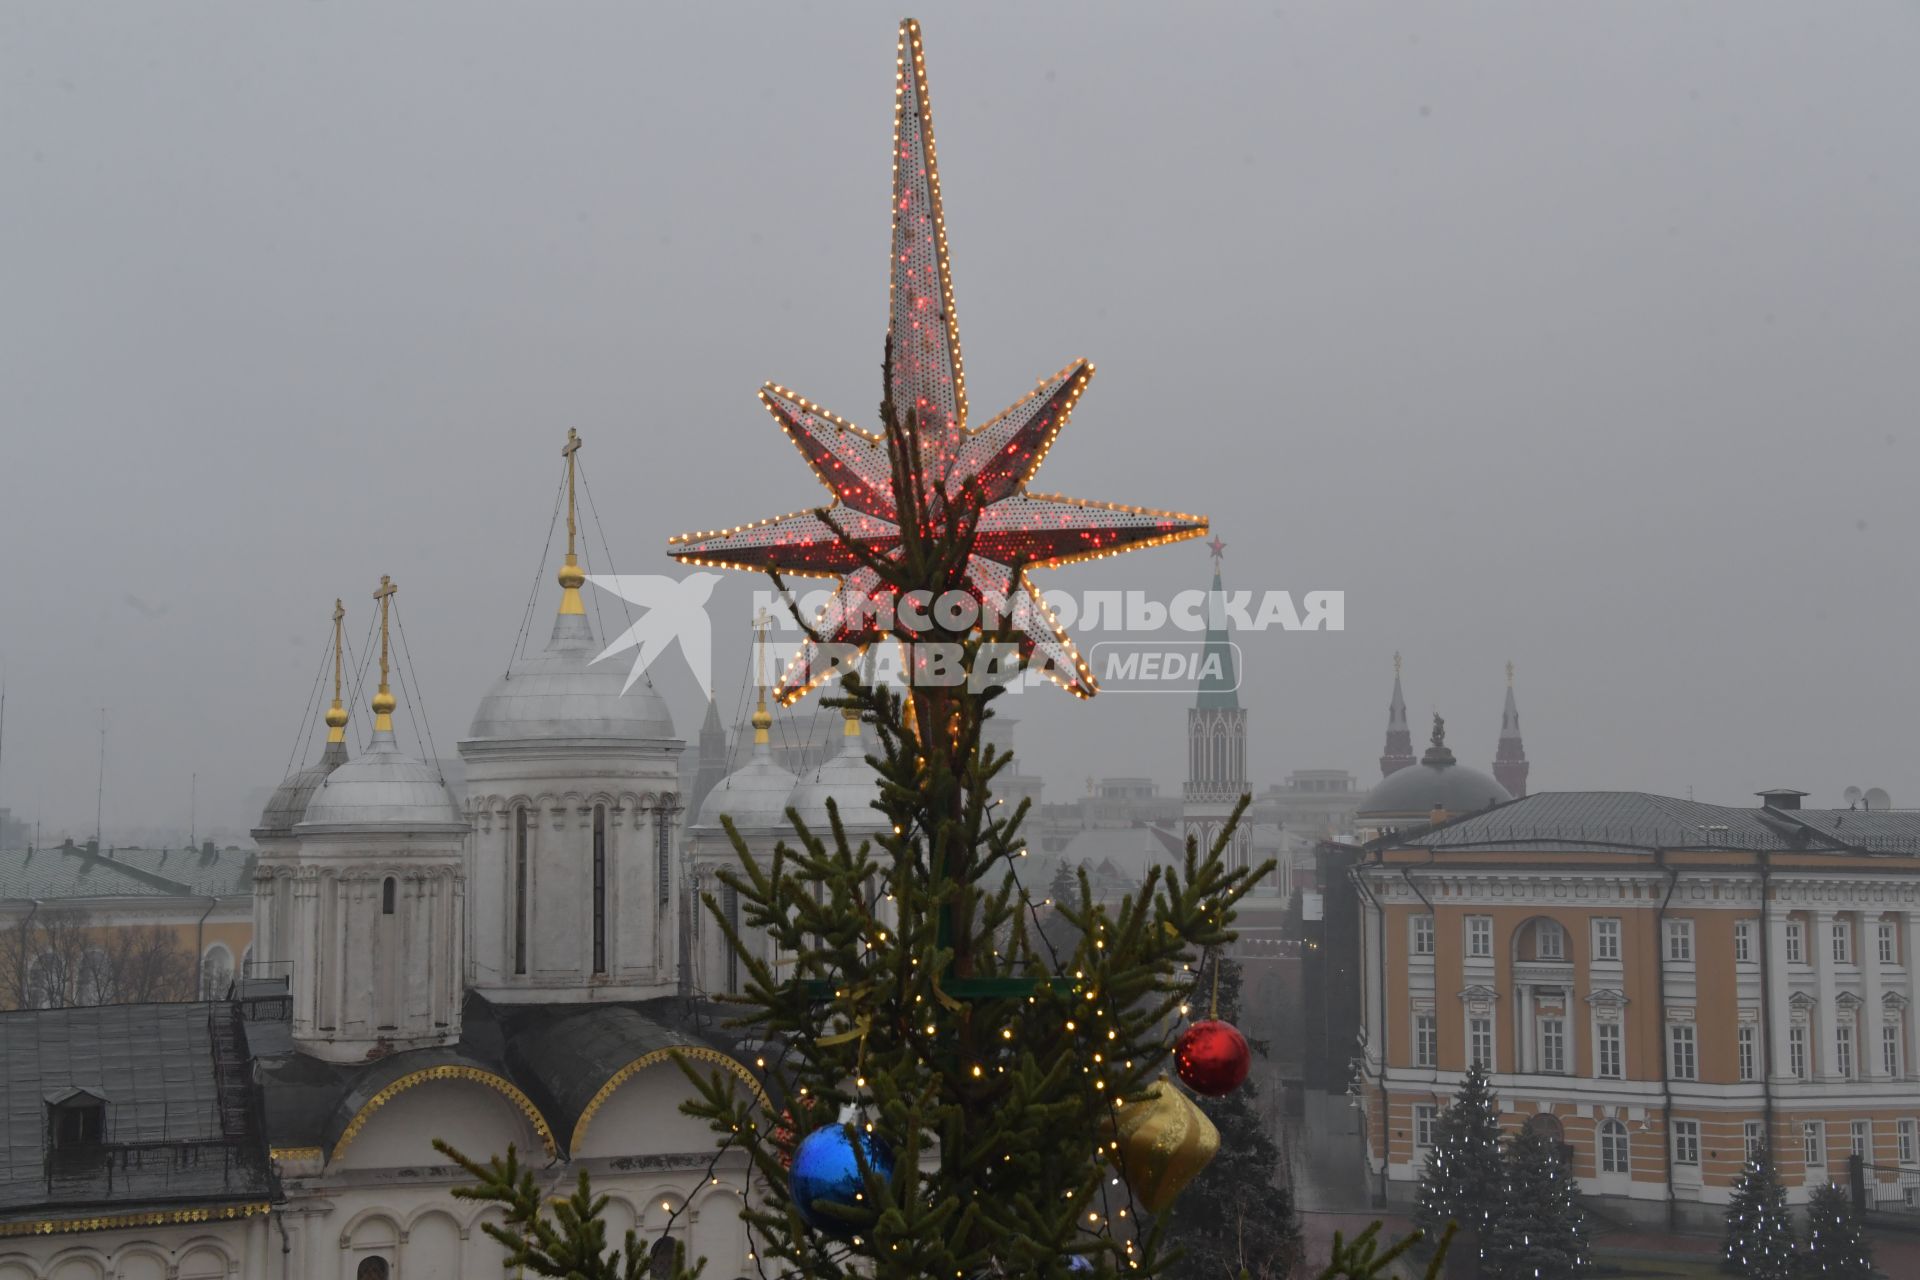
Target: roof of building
288,804
1220,674
849,781
384,790
51,875
176,1125
755,795
1123,852
562,694
1438,781
559,1055
1641,820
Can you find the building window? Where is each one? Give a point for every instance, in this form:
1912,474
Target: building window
1860,1135
1796,942
599,888
216,972
1843,1050
1480,1041
1423,1114
1426,1040
389,890
1843,942
1686,1142
372,1269
1680,941
1888,942
79,1120
1743,942
1797,1051
1683,1059
1755,1132
1607,1056
1549,941
1613,1147
1480,937
1909,1141
1813,1136
1423,935
1553,1045
1606,939
1890,1048
520,889
1747,1035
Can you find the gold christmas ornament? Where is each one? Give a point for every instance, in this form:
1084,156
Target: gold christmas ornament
1165,1141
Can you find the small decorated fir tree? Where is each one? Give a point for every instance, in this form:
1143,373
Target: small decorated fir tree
1465,1174
1539,1231
1835,1248
1759,1241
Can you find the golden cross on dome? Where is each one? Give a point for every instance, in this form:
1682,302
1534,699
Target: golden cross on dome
383,700
337,713
571,576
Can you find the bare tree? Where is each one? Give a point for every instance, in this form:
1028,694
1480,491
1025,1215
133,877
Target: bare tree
58,957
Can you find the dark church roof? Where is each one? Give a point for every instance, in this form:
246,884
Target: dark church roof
179,1124
559,1056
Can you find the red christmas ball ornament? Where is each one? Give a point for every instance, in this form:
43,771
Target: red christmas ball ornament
1213,1057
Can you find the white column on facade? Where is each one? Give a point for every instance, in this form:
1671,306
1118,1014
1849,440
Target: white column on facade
1779,987
1872,1067
1826,1049
1909,934
1523,1057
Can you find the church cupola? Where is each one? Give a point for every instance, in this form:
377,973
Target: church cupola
274,870
573,792
1399,752
376,925
1510,757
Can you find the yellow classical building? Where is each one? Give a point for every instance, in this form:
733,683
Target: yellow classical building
1664,985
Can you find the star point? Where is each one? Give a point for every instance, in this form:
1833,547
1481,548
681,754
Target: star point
987,467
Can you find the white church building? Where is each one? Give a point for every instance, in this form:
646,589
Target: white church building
522,969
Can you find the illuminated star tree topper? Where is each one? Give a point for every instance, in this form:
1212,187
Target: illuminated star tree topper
978,475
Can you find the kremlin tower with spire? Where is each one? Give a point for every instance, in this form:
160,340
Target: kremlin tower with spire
1510,758
1399,752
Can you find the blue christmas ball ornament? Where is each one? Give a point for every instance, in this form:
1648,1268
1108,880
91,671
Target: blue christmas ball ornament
1079,1262
824,1169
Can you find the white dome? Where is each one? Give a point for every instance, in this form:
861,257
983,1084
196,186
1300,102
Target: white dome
562,693
755,795
850,782
383,790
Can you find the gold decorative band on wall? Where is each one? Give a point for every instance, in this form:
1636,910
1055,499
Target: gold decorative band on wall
169,1217
499,1084
692,1052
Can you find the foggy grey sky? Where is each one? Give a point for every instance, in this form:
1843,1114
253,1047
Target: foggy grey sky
1581,335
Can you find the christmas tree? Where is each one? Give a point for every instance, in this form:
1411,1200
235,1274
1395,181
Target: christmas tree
989,1097
1465,1175
1835,1247
1235,1218
1759,1240
1539,1231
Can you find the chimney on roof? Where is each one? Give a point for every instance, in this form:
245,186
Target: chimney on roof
1780,798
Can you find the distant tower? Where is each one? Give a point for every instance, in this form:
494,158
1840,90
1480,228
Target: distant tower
1510,761
713,756
1399,752
1216,734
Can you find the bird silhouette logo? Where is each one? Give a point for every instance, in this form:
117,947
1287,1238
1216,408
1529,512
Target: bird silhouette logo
675,609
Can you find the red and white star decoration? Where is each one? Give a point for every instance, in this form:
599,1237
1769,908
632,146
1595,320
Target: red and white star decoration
1016,530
